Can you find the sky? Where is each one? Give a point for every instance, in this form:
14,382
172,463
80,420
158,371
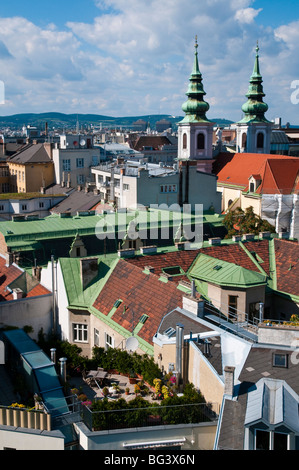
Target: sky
134,57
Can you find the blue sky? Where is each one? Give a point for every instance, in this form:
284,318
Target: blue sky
134,57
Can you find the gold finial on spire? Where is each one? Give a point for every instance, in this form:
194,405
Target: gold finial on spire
196,45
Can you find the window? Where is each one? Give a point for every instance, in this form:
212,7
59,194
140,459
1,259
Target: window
269,440
66,165
80,179
80,162
109,341
244,140
280,360
251,188
260,140
168,188
184,141
200,141
1,207
96,337
80,333
126,187
41,205
232,306
24,207
5,187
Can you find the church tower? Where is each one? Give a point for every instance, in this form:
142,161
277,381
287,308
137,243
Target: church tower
195,131
254,130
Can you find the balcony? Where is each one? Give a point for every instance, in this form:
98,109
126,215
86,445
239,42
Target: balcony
152,415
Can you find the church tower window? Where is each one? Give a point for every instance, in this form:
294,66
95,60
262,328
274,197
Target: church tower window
260,140
200,141
184,141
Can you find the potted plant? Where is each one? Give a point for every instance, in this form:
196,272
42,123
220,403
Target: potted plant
105,391
127,391
132,378
136,389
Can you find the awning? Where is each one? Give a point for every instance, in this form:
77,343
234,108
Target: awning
155,444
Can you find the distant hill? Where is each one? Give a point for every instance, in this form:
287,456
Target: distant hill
60,120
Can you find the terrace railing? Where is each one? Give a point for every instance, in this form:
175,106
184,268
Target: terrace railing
148,416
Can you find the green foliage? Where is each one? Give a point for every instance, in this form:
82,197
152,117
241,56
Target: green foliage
120,413
126,363
239,222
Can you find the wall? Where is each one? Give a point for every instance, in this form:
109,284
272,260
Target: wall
33,311
21,439
219,297
64,154
38,175
61,298
280,335
35,176
203,435
204,377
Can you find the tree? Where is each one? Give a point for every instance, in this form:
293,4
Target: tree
239,222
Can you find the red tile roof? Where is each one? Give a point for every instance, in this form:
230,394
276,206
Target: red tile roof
140,294
8,274
279,173
234,253
183,259
287,266
38,290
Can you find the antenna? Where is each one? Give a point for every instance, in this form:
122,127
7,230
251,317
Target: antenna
132,344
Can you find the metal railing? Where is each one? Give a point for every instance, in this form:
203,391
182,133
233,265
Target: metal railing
236,321
149,416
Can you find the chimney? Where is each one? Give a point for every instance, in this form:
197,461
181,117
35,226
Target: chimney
53,355
229,378
8,258
17,293
193,305
63,368
88,270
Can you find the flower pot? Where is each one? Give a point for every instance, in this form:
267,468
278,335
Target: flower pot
132,380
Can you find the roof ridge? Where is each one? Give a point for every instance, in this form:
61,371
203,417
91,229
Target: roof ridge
252,258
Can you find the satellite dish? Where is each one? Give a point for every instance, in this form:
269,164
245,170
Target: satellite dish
132,344
82,142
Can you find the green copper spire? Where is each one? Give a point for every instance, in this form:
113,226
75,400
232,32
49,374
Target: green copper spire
195,107
255,108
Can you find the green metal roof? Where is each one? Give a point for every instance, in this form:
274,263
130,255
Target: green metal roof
77,296
209,269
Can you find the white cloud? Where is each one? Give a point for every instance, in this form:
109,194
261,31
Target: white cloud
136,57
247,15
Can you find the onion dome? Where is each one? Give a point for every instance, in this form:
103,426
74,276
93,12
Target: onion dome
254,109
195,107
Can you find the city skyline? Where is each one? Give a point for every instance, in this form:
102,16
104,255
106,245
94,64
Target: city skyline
128,58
